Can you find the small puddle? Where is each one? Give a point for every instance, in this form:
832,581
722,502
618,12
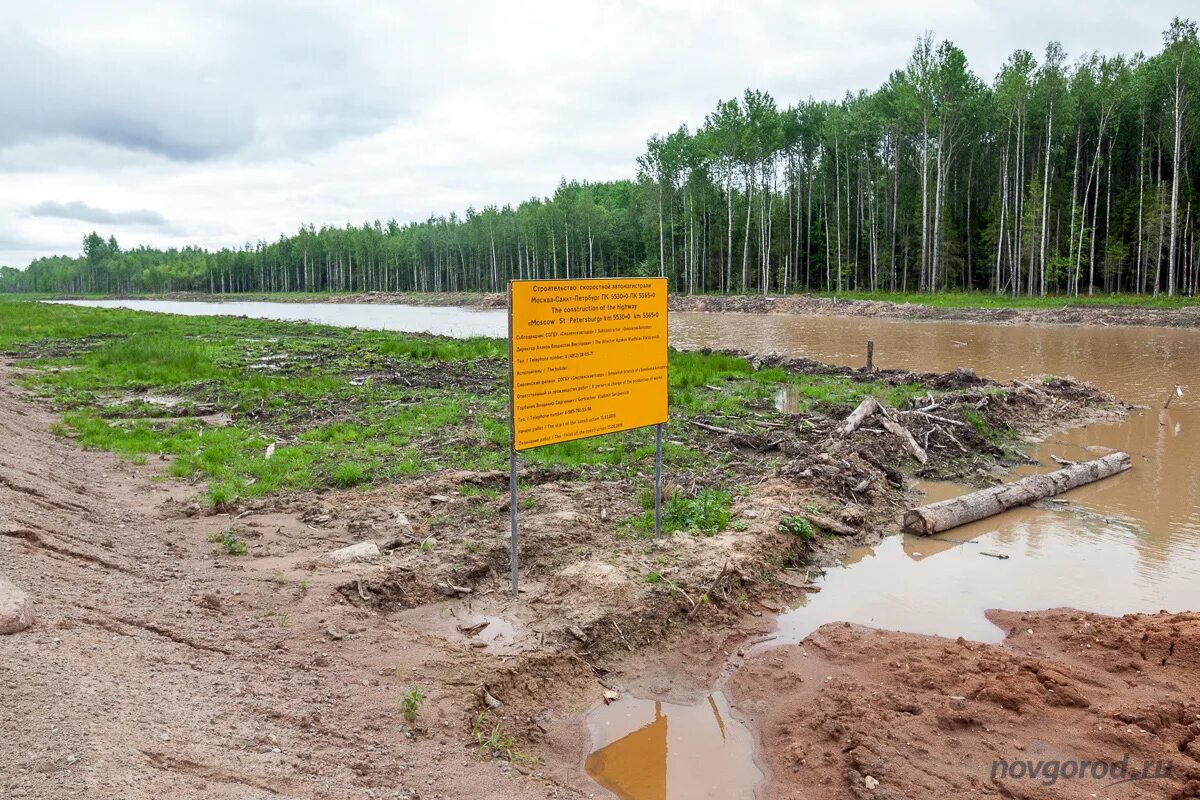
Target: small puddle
488,629
652,750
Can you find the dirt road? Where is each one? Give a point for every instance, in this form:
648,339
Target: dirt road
158,668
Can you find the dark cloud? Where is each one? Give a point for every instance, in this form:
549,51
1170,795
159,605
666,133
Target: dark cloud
77,209
154,108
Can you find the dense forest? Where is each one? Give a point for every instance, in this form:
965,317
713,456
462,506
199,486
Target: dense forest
1056,178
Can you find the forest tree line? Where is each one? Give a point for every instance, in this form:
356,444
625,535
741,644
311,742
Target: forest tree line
1056,177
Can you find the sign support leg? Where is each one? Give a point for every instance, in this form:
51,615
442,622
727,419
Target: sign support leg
514,550
657,479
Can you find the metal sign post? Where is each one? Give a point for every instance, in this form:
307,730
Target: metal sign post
514,555
657,480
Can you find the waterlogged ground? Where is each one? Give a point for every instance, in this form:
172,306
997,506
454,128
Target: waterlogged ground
292,440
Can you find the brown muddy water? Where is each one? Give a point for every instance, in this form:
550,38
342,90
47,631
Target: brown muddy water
1131,543
1127,544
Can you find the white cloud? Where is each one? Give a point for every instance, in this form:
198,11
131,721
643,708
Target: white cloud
241,121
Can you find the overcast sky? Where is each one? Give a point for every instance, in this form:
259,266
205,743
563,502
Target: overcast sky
218,123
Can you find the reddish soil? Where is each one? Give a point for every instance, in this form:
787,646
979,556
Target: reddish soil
926,717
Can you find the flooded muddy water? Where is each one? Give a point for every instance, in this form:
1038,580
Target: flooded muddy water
1131,543
652,750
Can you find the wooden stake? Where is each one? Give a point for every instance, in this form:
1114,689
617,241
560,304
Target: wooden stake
1176,392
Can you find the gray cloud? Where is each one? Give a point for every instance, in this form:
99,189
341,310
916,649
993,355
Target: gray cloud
156,109
196,82
77,209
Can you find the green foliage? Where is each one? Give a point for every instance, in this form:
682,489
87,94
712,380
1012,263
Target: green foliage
797,526
985,429
410,704
707,513
491,740
433,349
350,474
229,541
154,360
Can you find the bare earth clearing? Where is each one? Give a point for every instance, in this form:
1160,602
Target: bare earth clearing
160,666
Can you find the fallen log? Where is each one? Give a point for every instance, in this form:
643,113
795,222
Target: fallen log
947,514
866,408
829,524
896,429
714,428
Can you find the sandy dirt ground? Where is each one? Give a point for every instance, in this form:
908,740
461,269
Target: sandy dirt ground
160,669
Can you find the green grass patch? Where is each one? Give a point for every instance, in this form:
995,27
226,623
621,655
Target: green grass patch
993,434
153,360
797,526
345,408
230,543
349,474
707,513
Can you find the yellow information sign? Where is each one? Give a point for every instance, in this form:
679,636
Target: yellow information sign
589,356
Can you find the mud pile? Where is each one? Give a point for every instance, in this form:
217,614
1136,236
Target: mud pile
854,712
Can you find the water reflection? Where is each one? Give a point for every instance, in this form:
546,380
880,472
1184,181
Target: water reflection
652,750
943,584
440,320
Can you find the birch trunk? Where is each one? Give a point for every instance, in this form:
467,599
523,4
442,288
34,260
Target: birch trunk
1175,179
1046,194
947,514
